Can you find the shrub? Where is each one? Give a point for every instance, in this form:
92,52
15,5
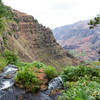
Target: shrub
35,20
28,79
82,90
3,63
50,72
72,73
33,64
38,64
10,56
24,64
83,83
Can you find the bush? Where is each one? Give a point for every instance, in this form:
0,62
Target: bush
3,63
10,56
50,72
72,73
28,79
83,83
35,20
38,64
82,90
24,64
33,64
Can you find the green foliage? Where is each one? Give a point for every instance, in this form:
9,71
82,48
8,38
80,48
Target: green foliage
10,33
5,13
1,26
82,90
83,83
50,72
93,23
16,20
72,73
10,57
33,64
38,64
35,20
28,79
3,63
23,64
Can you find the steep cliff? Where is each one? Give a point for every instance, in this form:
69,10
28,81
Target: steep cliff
33,41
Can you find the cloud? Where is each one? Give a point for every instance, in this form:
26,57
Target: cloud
54,13
62,5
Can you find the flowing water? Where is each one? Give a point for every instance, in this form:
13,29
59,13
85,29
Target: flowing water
10,92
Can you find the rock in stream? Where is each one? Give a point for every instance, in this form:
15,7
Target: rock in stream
8,91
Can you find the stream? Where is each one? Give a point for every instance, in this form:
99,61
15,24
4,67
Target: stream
8,91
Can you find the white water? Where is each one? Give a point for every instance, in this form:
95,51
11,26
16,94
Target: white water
56,83
6,83
10,69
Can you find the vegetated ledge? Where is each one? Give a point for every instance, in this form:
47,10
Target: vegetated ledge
33,41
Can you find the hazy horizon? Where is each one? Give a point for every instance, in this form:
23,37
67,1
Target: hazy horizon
55,13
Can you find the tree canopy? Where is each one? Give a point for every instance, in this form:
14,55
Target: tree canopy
93,23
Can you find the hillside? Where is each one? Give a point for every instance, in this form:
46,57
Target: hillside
33,41
79,40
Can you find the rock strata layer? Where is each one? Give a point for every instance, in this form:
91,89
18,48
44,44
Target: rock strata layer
33,41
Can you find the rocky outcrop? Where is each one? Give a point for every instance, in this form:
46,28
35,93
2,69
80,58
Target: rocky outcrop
33,41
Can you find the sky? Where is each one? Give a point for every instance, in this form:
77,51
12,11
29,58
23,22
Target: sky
55,13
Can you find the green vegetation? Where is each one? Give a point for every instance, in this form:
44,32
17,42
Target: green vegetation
7,57
3,63
35,64
35,20
50,72
83,83
5,13
26,76
28,79
96,63
10,57
93,23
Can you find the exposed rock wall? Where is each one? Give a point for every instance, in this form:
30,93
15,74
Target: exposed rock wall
33,41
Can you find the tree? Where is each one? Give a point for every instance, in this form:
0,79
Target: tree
93,23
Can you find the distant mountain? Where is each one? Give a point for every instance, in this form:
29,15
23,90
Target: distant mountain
79,39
